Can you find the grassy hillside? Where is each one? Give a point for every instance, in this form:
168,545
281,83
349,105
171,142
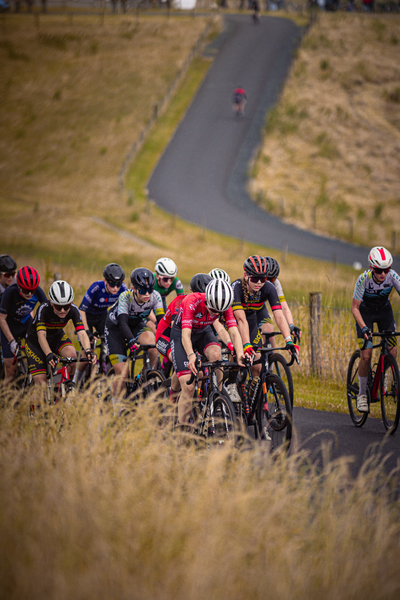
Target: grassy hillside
330,157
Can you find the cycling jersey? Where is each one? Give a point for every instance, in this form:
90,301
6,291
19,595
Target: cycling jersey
135,312
176,286
47,320
375,296
193,314
263,315
17,308
97,299
163,333
251,303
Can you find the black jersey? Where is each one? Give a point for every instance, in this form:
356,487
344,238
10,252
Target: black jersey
47,320
251,303
17,308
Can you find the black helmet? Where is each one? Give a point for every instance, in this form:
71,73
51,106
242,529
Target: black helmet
113,274
255,265
142,278
199,282
273,267
7,264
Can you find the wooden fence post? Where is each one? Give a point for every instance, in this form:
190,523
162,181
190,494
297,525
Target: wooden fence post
315,331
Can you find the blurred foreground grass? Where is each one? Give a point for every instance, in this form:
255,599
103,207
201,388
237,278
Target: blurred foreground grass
94,507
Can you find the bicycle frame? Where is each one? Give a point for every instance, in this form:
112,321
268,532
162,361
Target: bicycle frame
383,344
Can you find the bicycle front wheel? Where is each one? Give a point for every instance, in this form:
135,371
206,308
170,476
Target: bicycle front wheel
279,366
222,425
357,417
274,414
154,383
389,392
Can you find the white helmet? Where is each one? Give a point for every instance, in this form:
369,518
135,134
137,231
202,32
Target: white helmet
219,295
61,293
219,274
380,258
166,267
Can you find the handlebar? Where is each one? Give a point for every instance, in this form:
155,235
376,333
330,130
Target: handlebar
382,335
294,357
214,365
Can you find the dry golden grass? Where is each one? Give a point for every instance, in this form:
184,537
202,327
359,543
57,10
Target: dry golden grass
330,156
94,507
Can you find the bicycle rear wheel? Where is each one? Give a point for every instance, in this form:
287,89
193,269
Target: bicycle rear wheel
357,417
274,414
389,393
279,366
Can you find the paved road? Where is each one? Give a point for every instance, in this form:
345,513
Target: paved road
202,174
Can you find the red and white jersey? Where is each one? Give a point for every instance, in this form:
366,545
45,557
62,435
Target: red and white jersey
169,317
193,314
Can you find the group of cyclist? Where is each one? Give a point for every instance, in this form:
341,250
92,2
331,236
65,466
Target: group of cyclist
215,311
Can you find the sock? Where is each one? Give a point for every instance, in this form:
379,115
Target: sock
362,386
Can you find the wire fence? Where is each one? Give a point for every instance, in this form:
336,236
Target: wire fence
337,340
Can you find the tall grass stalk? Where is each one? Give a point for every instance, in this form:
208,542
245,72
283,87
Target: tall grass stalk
98,507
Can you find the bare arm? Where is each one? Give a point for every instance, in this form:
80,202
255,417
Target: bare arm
243,326
237,344
282,323
187,345
84,319
355,309
5,328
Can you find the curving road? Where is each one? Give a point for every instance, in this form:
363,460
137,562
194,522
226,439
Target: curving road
202,174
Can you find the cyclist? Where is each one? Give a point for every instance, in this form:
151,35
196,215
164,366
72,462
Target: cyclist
8,269
250,294
239,101
166,279
100,296
198,283
18,302
191,332
371,304
126,325
264,319
219,274
46,337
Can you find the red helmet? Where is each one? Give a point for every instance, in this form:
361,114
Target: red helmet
255,265
28,278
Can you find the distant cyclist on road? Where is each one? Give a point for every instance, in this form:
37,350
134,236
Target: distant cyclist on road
371,305
239,101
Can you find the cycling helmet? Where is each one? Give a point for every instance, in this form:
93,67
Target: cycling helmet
142,278
199,282
7,264
113,274
255,265
219,274
380,258
166,267
219,295
61,293
272,267
28,278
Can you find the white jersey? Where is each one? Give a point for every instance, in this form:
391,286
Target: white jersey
127,305
375,296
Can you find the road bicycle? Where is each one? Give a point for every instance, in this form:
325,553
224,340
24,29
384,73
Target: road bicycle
212,418
59,382
383,385
265,403
279,365
23,379
148,381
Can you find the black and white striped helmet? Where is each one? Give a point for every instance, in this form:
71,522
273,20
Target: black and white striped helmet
219,274
166,267
61,293
219,295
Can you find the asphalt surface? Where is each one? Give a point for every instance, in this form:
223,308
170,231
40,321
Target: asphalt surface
202,174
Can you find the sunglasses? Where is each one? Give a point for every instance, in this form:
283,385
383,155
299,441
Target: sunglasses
258,278
8,273
112,284
165,279
213,312
380,271
144,291
61,307
26,292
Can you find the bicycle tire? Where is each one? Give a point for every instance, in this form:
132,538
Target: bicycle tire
352,387
274,417
154,384
279,366
23,379
223,426
389,393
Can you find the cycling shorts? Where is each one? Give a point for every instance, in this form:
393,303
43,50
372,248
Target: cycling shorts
263,316
18,331
117,349
200,341
36,356
97,322
163,342
384,319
